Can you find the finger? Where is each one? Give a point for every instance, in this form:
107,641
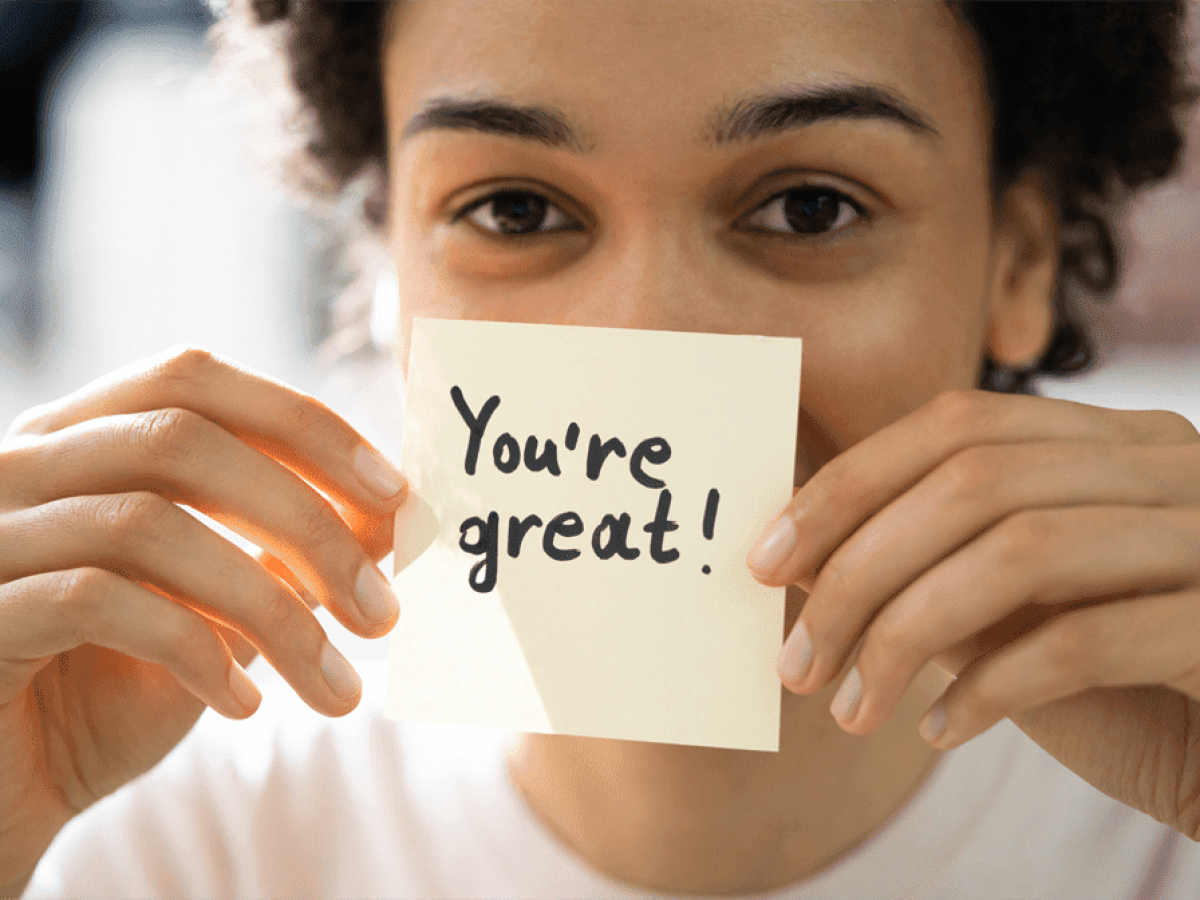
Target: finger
1033,558
151,539
187,458
972,491
244,651
1140,641
287,425
50,613
863,479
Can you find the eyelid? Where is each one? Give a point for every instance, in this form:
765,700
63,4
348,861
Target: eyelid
860,209
496,190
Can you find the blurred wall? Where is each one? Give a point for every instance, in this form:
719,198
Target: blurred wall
150,226
1159,300
1155,359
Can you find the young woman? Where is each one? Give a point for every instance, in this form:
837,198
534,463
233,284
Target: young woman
922,192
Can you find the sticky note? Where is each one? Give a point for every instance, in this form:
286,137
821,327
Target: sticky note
571,559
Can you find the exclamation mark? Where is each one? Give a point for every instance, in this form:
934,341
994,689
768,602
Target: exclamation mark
710,520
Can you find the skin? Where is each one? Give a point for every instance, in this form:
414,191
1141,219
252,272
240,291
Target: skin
647,226
121,616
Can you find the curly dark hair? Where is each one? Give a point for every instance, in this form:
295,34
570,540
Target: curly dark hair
1088,94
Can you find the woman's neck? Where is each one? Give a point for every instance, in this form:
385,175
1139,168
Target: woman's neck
699,820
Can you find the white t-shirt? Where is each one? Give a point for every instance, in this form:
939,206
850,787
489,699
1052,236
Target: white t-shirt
291,804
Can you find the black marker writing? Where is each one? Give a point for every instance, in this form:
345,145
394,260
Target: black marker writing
567,524
655,450
658,529
483,573
507,453
548,460
710,521
610,538
476,424
598,453
517,529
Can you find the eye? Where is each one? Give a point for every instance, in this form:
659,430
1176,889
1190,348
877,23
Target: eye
812,210
516,212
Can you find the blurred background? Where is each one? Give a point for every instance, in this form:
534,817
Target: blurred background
131,220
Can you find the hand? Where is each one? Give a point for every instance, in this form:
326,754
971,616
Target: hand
1046,553
122,616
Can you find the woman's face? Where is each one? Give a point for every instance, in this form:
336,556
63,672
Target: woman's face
660,184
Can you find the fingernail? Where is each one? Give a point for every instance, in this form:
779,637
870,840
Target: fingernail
796,655
242,688
933,726
774,547
339,674
845,703
375,596
377,474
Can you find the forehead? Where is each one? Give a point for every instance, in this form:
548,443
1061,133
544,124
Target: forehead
629,65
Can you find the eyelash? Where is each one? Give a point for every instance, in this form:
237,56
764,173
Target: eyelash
843,200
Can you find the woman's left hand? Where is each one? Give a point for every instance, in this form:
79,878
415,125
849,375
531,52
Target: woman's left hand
1047,553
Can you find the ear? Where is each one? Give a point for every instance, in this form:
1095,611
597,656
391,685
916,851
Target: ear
1024,274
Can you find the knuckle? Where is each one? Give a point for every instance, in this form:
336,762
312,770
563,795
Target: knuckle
169,435
304,416
904,643
1173,425
1155,426
841,481
970,475
180,642
1068,647
836,578
322,528
76,591
888,640
960,408
310,422
1022,537
279,620
188,645
132,517
987,701
186,365
33,421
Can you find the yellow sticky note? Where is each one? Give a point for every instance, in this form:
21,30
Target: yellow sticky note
572,559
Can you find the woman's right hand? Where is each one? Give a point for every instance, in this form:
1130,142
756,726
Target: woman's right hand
122,615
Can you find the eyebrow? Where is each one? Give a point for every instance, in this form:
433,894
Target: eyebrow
743,119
